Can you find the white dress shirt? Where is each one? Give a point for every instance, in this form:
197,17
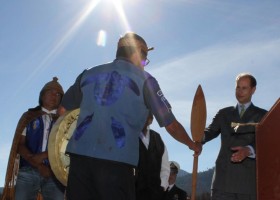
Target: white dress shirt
246,105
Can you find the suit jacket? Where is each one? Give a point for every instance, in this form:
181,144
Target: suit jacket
175,194
228,176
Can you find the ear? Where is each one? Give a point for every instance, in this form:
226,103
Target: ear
135,58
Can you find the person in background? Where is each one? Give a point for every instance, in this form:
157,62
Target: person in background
153,167
173,192
114,100
235,172
35,175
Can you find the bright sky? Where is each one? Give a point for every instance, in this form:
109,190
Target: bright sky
205,42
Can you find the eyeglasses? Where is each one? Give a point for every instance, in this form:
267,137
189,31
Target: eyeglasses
145,60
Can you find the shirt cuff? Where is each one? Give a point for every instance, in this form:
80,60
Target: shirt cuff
252,152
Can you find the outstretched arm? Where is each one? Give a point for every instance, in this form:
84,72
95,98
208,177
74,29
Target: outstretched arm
177,131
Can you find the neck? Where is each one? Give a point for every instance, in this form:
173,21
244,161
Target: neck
144,131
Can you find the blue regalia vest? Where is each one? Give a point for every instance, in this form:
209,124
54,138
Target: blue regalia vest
112,113
34,139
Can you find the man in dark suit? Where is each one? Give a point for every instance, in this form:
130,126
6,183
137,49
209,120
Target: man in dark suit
235,172
173,192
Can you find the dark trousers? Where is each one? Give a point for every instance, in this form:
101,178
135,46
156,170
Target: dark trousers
155,193
97,179
220,195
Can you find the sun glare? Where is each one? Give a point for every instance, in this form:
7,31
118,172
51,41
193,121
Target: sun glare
102,35
119,8
101,39
70,32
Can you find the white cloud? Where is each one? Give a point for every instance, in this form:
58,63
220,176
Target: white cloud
216,67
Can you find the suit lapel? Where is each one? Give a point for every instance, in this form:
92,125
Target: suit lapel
249,113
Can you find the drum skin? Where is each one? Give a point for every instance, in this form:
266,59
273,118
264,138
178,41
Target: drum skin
59,137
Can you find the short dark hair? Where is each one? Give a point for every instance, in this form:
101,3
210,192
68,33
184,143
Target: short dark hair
128,44
125,52
247,75
132,37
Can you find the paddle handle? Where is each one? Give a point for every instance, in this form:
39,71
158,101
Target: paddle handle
194,177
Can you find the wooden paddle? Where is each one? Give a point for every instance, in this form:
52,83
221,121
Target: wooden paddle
198,122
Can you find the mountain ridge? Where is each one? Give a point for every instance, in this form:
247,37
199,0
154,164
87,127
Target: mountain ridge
204,179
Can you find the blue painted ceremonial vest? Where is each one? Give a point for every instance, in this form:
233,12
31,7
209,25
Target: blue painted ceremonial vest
112,113
34,139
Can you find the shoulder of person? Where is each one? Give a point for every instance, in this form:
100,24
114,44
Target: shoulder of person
156,135
180,190
227,109
258,109
154,132
35,109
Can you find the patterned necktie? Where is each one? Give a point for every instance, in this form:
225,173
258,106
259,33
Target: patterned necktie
242,110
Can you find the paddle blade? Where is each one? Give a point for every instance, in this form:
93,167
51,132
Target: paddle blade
198,115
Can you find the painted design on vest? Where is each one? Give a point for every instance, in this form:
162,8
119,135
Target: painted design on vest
110,86
82,127
35,124
118,132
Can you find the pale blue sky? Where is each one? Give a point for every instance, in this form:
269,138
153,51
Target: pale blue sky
205,42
